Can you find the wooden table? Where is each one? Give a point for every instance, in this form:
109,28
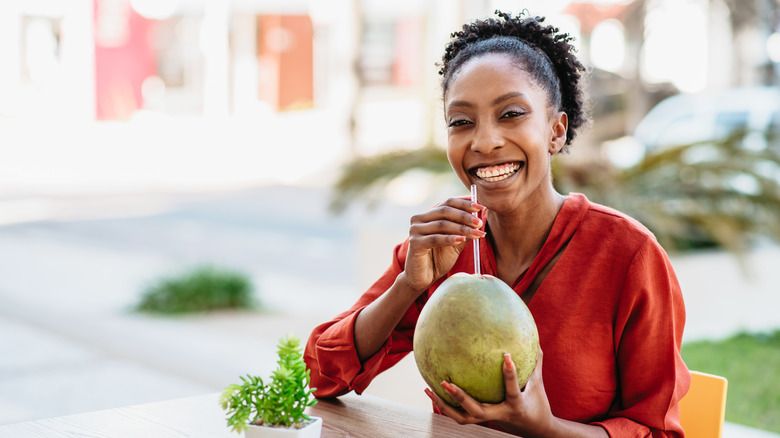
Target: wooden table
201,416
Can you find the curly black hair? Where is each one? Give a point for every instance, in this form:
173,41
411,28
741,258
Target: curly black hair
541,50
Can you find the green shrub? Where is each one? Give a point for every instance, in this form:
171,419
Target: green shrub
749,362
198,289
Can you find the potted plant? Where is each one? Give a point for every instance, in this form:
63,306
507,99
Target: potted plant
276,408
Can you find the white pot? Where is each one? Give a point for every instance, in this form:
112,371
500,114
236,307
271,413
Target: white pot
312,430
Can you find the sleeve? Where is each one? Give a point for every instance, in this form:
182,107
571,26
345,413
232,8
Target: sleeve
330,351
648,336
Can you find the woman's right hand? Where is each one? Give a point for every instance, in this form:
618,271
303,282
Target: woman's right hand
436,239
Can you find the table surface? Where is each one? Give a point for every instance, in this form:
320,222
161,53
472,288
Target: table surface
201,416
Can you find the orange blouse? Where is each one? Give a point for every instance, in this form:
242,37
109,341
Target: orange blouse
610,316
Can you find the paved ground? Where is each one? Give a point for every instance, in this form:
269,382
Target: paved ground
67,281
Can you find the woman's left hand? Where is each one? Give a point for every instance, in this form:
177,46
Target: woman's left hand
524,411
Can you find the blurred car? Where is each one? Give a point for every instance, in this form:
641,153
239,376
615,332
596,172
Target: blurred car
690,118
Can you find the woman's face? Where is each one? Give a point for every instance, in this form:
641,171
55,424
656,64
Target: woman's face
501,133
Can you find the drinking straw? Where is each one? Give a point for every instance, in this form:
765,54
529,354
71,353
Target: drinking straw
475,242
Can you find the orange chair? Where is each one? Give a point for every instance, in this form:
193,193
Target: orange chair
703,408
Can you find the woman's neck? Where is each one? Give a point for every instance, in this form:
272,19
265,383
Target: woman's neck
518,236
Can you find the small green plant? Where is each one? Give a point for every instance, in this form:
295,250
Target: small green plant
279,403
198,289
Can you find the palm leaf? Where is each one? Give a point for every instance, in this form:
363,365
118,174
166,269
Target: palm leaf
365,175
707,194
716,193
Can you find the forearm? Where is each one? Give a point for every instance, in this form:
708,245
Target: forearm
572,429
559,428
376,321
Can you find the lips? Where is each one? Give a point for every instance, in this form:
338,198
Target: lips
497,172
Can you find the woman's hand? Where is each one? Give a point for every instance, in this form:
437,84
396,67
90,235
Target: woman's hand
525,411
437,237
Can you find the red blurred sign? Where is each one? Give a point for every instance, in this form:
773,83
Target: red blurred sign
124,58
284,53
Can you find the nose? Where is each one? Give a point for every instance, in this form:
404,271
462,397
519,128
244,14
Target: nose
487,137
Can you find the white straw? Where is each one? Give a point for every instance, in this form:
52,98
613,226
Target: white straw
475,242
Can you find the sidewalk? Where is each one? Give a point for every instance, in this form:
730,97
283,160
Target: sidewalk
72,345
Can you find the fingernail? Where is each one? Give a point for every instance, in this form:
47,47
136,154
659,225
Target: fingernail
478,233
430,395
448,387
460,239
508,361
477,221
477,205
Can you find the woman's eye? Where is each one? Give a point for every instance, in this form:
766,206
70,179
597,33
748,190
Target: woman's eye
511,114
458,122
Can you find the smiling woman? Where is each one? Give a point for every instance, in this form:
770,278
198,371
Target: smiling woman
605,299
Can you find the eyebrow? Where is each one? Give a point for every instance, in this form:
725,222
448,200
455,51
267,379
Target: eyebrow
496,101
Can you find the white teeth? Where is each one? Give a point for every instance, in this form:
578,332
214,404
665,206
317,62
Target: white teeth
497,173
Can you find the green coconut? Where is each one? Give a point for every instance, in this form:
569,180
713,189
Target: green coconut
463,332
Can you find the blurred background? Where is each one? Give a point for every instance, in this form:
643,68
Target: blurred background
289,141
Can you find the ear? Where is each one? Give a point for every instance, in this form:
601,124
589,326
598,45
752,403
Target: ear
559,125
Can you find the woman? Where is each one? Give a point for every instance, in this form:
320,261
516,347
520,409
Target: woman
605,299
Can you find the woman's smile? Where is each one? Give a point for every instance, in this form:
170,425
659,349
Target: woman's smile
499,172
